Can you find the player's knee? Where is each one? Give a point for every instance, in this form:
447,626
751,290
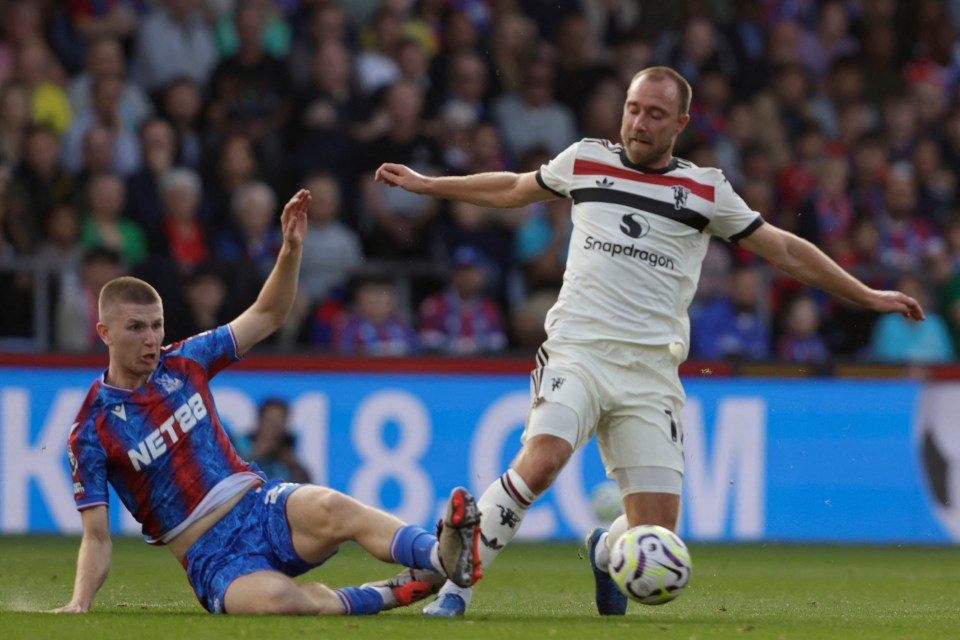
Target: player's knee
338,512
542,459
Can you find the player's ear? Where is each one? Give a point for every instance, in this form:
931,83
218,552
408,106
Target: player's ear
682,122
104,332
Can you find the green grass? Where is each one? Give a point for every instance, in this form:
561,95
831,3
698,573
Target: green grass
534,591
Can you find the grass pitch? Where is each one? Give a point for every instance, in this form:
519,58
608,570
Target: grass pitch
534,591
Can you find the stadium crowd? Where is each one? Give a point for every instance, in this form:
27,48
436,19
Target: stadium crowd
160,137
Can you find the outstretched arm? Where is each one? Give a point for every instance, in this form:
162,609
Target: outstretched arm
808,264
268,313
494,189
93,560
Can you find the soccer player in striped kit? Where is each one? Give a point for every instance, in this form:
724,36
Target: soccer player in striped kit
149,428
642,220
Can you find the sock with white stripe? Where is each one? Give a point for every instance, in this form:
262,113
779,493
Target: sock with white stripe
416,548
360,601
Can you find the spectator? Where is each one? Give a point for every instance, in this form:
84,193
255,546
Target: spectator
831,40
20,23
579,66
936,185
461,319
182,232
733,327
331,250
843,88
610,20
327,111
105,112
105,58
76,316
250,91
235,166
272,446
144,203
398,223
327,25
373,326
697,47
376,65
103,225
255,238
175,42
274,37
746,34
870,171
14,122
801,340
36,69
894,339
531,117
60,248
906,239
204,304
783,110
827,216
39,184
182,106
114,18
512,43
468,86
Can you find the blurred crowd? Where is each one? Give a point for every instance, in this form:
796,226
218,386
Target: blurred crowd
161,138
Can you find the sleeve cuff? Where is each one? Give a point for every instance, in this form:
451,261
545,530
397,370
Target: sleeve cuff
544,185
753,226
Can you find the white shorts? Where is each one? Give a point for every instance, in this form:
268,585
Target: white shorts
630,396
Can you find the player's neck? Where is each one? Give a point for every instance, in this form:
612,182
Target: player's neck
118,377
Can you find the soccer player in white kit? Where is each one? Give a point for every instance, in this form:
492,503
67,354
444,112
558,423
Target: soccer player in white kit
642,220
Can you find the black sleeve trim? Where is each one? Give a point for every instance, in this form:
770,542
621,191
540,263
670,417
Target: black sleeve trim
544,186
753,226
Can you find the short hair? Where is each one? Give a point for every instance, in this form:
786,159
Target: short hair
684,92
126,289
273,401
252,191
180,178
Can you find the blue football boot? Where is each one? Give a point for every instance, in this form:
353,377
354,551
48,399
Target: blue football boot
610,600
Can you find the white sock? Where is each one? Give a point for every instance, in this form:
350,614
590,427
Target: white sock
602,552
502,507
617,529
389,600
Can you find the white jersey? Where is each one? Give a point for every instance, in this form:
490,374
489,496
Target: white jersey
639,239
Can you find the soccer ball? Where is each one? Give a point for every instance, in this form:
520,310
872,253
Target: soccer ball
606,502
650,564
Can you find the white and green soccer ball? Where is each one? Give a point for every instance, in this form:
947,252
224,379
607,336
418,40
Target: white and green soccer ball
650,564
606,502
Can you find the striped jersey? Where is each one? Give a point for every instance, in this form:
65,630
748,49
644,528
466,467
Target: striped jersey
639,239
162,447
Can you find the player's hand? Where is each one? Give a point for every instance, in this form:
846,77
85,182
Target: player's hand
293,220
70,608
398,175
897,302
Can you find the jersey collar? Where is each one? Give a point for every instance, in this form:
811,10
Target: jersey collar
636,167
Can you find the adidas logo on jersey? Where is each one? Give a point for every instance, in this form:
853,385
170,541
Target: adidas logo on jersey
605,183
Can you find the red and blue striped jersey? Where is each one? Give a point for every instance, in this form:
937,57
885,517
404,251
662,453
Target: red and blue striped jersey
162,446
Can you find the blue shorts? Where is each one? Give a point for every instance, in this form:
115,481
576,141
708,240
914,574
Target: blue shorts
253,536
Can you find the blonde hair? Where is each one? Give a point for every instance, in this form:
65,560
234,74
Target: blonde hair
684,92
126,289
